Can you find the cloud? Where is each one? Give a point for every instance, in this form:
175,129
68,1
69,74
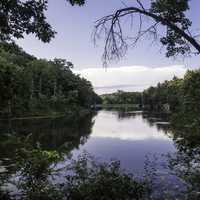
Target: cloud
131,78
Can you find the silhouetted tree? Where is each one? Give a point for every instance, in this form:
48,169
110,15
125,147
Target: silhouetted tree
18,17
170,14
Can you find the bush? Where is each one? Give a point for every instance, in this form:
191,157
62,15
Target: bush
85,179
101,181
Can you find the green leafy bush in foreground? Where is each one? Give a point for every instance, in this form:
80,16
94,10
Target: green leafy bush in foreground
39,177
35,168
85,179
103,181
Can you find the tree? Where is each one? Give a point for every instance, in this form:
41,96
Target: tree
18,17
170,14
191,92
26,16
9,80
36,86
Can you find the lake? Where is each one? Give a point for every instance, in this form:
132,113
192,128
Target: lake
135,138
110,134
128,137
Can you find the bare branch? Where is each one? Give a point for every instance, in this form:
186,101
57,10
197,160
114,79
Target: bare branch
116,44
140,4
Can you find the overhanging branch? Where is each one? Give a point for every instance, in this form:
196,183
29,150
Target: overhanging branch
115,43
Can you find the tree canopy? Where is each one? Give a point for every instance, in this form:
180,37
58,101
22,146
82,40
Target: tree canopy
18,17
36,86
28,17
176,36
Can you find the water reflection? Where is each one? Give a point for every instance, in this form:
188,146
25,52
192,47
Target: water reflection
128,137
61,134
186,162
126,126
124,135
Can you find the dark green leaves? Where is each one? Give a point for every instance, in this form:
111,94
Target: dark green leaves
18,17
37,86
173,11
77,2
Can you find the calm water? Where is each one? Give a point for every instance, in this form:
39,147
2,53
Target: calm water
128,137
125,136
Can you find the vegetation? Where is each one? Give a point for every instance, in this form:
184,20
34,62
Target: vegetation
35,166
28,17
165,96
84,179
31,86
167,15
92,180
180,95
176,95
121,97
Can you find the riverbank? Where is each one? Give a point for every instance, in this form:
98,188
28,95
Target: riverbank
50,115
135,139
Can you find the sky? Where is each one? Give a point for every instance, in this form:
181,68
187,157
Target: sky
129,78
73,42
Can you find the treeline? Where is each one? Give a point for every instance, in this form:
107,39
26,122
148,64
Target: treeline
176,95
38,86
122,97
164,97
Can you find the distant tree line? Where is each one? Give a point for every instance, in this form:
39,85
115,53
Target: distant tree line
36,86
179,94
122,97
164,97
175,95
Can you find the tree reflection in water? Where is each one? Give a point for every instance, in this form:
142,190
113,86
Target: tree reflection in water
60,134
184,129
66,134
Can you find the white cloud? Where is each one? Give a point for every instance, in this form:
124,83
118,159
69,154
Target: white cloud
132,78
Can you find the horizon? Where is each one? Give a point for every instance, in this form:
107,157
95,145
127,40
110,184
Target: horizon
135,78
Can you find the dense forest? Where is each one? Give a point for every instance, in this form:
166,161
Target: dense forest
121,97
169,96
31,86
31,150
177,95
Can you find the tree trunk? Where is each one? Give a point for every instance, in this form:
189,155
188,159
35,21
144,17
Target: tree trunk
55,89
9,108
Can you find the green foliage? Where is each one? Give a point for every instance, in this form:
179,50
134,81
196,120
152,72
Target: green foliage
164,97
77,2
85,179
19,17
27,17
186,166
182,95
91,180
173,11
35,167
122,97
37,163
191,92
38,86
